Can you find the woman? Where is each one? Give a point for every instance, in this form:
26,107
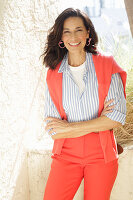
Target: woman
85,100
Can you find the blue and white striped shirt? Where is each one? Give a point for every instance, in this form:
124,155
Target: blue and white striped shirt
84,106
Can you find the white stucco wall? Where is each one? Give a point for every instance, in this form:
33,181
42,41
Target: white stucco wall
21,187
23,28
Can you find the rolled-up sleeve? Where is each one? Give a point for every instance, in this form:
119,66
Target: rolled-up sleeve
116,92
50,109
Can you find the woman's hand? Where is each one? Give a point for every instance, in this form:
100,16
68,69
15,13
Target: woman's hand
62,128
107,107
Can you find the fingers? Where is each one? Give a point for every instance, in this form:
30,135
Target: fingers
107,107
51,132
107,103
50,125
49,122
48,119
106,112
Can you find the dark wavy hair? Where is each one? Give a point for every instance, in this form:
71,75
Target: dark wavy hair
53,54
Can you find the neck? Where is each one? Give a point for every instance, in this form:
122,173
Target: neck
76,59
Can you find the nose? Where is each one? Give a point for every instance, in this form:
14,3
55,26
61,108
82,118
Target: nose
73,35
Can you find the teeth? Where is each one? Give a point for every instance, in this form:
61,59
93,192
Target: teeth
74,43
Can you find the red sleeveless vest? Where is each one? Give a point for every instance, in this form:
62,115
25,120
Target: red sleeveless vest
105,66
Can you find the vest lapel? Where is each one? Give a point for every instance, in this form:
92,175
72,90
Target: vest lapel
104,72
54,81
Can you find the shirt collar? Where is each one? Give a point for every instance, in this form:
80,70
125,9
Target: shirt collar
64,64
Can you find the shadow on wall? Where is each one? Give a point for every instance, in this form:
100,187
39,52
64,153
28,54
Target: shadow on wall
22,190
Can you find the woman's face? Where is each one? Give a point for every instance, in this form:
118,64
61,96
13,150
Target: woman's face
74,34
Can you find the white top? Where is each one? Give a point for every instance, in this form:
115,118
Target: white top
77,73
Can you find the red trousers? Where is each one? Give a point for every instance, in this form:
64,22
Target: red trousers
66,174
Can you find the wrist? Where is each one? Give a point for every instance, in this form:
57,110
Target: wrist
79,128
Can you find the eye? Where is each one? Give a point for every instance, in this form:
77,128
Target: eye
79,30
66,32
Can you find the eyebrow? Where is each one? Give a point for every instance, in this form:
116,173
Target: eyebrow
75,28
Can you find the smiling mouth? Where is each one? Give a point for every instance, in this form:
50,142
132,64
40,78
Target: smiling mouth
74,44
